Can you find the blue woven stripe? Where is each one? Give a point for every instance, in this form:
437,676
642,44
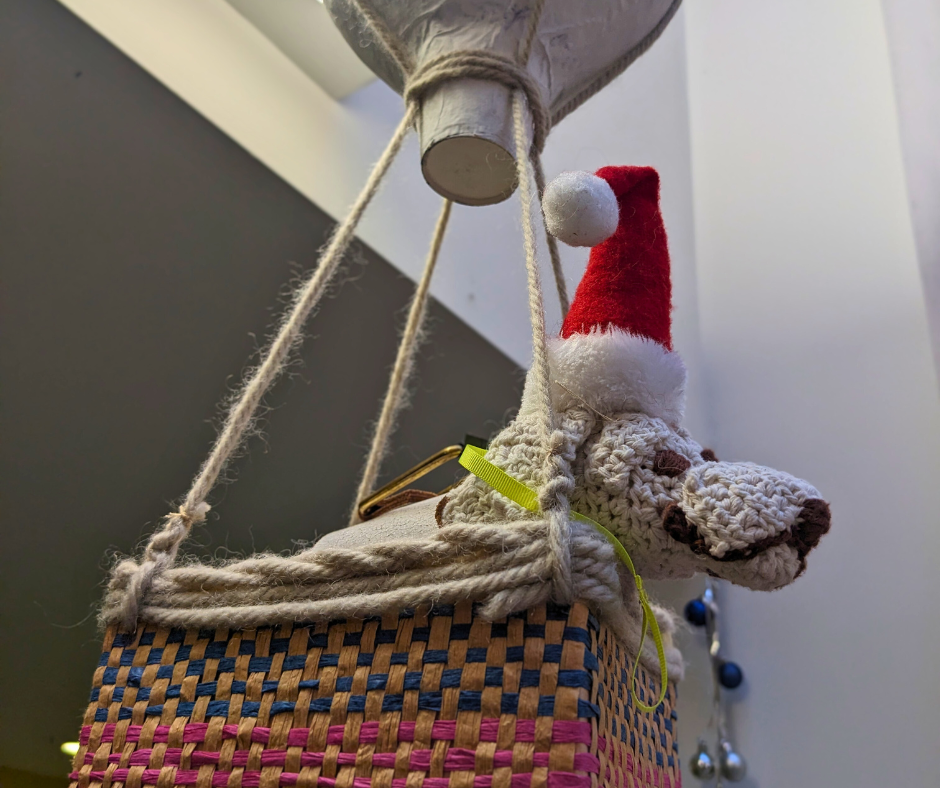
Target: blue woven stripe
320,640
590,661
204,689
551,654
468,700
450,679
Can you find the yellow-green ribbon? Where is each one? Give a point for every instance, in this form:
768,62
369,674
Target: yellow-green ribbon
474,460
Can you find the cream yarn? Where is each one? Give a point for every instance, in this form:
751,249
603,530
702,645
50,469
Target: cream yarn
612,459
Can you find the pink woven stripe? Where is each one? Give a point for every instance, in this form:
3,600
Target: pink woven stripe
457,759
621,776
253,779
563,732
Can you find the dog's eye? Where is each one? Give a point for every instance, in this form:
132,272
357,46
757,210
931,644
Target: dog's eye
670,463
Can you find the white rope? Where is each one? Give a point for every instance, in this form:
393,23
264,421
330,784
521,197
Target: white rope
525,51
535,14
507,567
395,397
478,64
392,47
136,579
163,546
482,64
557,484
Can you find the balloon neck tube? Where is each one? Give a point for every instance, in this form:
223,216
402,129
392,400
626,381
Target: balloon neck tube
467,149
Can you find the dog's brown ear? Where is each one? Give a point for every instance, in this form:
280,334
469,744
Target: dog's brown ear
709,456
669,463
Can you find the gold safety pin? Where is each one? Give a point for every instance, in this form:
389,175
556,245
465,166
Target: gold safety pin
369,505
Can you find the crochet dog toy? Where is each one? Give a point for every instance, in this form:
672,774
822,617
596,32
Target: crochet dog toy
619,391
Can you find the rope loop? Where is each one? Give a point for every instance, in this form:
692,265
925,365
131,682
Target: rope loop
190,516
480,64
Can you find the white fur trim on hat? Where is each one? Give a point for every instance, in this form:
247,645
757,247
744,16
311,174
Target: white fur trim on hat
615,372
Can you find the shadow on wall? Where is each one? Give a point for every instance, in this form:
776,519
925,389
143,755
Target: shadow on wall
14,778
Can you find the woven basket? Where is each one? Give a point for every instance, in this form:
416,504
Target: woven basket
437,698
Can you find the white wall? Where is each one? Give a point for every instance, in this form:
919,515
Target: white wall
914,40
816,347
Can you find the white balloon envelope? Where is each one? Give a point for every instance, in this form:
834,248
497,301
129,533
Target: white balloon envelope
465,125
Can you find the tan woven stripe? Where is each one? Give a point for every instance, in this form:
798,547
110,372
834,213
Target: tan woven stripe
168,751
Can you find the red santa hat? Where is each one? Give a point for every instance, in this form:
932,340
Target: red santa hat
615,349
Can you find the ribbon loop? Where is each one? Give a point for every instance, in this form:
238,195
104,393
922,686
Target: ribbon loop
474,460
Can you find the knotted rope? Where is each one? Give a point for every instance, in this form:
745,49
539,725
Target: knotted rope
133,581
163,546
491,66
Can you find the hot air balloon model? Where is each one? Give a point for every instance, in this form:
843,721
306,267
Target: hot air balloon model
497,633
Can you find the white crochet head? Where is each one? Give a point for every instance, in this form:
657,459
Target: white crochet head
636,471
580,209
619,451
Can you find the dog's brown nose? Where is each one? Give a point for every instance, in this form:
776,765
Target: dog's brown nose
811,525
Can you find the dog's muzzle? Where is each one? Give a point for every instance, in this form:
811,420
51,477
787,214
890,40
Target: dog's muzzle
735,511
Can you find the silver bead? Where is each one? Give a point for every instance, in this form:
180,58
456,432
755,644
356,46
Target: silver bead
733,767
702,766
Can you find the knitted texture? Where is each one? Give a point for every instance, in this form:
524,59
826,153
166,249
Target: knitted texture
627,283
439,697
647,481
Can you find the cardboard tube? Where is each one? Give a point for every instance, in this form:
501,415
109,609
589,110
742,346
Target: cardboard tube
467,150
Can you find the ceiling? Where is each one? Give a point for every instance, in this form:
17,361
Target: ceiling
303,31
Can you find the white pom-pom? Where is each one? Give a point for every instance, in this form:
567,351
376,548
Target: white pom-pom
580,209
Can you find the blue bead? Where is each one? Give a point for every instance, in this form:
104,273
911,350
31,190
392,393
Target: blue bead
696,613
730,675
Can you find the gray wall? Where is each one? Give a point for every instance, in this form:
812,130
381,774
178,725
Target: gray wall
140,250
